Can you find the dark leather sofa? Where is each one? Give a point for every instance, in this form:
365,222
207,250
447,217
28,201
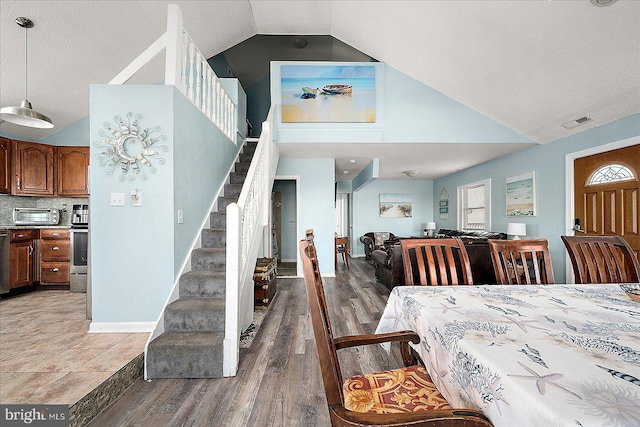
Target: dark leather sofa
389,269
369,242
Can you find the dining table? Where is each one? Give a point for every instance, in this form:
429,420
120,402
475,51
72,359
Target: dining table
528,355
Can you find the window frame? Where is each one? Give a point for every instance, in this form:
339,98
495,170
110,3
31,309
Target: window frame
462,204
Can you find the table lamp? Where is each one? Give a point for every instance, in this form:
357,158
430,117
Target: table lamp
517,229
429,229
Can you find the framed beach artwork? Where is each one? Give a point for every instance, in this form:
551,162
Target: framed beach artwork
395,205
521,195
328,93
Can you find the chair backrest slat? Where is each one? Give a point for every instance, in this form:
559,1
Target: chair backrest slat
602,259
518,262
435,262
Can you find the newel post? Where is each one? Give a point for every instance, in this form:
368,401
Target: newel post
175,29
231,355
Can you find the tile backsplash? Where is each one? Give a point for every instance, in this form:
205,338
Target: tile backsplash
7,203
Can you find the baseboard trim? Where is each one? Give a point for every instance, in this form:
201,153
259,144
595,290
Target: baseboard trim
121,327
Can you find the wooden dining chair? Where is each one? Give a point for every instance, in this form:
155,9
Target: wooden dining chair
521,262
342,247
602,259
400,397
435,262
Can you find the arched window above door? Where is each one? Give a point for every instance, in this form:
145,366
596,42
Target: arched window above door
610,173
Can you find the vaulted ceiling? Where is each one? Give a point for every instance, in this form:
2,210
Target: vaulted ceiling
531,65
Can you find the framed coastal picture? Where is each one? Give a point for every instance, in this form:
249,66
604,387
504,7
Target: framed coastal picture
328,93
521,195
395,205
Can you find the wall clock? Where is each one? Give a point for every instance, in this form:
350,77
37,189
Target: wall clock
127,147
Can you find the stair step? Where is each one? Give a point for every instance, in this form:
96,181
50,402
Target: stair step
245,157
195,315
186,355
237,177
209,259
218,220
223,202
232,190
242,167
203,284
214,238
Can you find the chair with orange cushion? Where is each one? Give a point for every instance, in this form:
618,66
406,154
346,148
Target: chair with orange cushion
602,259
399,397
435,262
520,262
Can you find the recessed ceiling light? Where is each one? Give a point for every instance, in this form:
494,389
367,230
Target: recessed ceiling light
345,172
411,173
577,122
352,161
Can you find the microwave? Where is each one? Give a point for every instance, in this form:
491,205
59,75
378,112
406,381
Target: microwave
36,216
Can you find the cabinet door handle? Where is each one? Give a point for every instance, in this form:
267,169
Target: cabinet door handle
55,248
19,183
20,235
55,234
30,249
55,269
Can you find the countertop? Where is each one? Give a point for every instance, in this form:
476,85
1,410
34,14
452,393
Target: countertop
32,227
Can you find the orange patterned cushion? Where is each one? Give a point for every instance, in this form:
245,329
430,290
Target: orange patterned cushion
390,392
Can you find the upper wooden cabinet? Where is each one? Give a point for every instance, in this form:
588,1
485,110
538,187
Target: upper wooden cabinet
73,171
45,170
5,165
33,169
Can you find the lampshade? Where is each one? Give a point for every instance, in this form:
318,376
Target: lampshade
25,115
431,225
517,229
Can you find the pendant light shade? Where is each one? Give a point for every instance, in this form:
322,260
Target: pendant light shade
25,115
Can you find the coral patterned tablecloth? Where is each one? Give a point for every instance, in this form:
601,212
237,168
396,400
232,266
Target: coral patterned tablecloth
551,355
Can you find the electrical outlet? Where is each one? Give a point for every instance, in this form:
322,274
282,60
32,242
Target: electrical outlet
137,200
117,199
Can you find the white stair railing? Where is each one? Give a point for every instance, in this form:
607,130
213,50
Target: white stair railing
245,222
188,70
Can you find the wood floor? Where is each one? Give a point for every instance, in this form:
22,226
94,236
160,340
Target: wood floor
278,382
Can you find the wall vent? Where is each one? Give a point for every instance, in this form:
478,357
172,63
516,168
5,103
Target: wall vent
577,122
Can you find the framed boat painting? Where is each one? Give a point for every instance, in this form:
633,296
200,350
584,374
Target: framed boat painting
328,93
521,195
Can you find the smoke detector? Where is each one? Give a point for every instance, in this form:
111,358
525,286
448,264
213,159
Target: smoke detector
602,3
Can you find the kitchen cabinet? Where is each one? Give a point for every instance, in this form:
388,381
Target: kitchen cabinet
22,257
73,171
55,256
5,165
33,170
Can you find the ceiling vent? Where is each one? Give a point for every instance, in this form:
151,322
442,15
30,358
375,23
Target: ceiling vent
577,122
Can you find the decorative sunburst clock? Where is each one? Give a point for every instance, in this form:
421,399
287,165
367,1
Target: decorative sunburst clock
127,147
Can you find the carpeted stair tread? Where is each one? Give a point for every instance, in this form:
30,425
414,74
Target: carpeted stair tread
195,314
214,238
214,259
186,355
203,283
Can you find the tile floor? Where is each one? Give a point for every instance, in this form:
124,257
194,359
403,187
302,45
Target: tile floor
47,355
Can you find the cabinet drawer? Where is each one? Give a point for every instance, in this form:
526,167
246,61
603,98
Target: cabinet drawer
55,250
54,272
22,235
51,234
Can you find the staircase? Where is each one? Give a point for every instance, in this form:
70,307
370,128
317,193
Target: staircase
192,343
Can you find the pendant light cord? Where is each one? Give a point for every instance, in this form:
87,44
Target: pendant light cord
26,68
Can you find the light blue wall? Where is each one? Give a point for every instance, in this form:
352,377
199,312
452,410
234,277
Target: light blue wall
548,162
76,134
366,210
316,203
136,252
289,225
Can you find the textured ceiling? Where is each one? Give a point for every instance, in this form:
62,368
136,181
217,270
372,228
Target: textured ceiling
528,64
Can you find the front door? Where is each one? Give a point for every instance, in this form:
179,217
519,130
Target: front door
607,199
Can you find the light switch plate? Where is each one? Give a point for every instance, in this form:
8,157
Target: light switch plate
117,199
137,201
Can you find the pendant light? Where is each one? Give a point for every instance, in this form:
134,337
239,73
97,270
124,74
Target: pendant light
25,115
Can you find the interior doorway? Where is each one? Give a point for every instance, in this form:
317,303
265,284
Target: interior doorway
285,226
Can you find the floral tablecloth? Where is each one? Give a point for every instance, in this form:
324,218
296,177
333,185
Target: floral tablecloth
551,355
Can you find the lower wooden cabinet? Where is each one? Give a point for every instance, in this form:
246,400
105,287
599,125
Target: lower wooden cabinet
22,258
55,256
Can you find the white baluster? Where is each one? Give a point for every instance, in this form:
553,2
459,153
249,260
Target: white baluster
184,61
198,98
191,78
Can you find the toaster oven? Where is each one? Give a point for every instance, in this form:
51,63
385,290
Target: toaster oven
36,216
